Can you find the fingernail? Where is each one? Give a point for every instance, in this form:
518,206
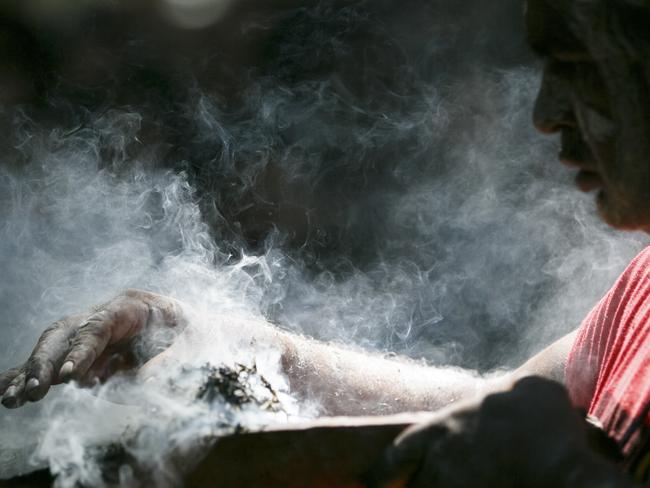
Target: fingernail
66,370
32,384
11,392
9,398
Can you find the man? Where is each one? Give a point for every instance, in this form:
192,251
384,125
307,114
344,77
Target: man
594,93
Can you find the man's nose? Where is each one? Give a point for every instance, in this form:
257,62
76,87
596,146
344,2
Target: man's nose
553,109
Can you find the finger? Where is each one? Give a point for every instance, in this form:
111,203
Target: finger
39,378
47,357
89,341
109,364
115,322
403,458
14,396
7,377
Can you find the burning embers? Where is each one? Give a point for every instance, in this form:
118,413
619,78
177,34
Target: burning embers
239,386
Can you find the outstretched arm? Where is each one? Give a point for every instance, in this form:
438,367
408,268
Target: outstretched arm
345,381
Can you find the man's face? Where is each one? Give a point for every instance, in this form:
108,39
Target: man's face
576,102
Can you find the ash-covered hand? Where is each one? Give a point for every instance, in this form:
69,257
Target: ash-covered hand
527,437
87,347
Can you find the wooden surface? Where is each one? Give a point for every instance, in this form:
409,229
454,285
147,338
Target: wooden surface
330,453
326,453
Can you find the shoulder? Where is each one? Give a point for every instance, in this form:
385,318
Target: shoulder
632,286
640,264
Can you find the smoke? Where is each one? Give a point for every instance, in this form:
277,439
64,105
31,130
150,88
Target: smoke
76,231
370,178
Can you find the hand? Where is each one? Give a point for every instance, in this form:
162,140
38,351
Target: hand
90,346
530,436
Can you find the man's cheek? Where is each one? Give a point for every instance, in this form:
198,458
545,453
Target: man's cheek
599,132
598,128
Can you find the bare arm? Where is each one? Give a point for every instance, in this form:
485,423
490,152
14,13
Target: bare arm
345,381
550,362
354,382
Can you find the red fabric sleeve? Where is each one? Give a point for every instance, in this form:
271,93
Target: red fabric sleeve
608,369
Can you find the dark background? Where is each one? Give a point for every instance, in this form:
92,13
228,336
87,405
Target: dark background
379,154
